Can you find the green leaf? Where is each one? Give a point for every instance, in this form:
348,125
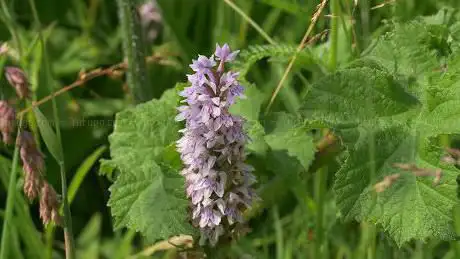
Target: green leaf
49,136
256,132
415,50
148,194
249,107
289,135
82,171
381,123
107,168
355,95
147,127
411,207
151,201
444,119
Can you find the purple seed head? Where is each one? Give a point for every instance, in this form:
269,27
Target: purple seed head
18,80
7,121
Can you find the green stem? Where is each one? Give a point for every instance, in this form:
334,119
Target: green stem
456,244
134,51
335,10
7,223
320,191
68,233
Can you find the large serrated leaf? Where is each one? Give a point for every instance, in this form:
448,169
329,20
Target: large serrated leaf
412,206
148,195
151,201
355,95
382,123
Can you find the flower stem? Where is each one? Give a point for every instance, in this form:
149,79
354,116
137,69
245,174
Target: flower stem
10,200
134,51
68,233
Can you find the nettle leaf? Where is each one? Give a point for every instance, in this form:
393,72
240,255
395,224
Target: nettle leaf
151,201
411,207
249,108
256,132
291,136
381,124
148,194
408,48
355,95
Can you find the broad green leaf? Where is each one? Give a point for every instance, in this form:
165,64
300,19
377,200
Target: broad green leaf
256,132
148,194
411,207
381,123
415,50
145,129
49,136
249,106
290,136
444,119
407,48
355,95
151,200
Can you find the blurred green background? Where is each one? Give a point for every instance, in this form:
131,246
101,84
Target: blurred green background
85,35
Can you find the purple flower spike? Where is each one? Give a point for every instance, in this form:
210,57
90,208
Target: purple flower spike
224,54
212,148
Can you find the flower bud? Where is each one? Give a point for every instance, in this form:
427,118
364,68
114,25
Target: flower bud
7,121
17,78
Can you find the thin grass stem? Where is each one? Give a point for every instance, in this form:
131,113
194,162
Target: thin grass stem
68,233
299,48
7,222
250,21
335,10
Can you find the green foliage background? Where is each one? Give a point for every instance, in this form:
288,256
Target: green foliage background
391,95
